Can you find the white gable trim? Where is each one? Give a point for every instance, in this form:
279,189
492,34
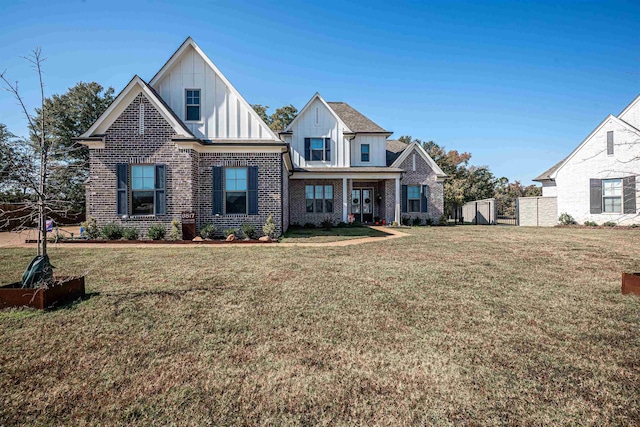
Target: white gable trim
630,106
414,146
591,135
308,105
190,42
135,86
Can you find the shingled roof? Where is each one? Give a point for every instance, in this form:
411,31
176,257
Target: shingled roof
355,120
394,149
546,175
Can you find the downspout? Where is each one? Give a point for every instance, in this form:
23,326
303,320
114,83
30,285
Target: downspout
282,186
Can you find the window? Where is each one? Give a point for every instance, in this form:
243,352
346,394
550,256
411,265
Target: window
610,143
319,198
317,149
236,190
364,152
413,198
192,105
612,195
142,189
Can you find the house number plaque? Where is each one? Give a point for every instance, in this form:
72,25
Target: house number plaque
188,220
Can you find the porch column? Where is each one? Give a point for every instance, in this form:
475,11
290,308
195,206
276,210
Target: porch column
344,200
397,201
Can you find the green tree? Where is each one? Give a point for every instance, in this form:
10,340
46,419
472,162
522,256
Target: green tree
68,116
16,168
262,112
507,193
279,119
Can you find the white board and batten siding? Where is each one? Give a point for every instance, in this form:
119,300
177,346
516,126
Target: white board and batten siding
377,150
317,121
223,115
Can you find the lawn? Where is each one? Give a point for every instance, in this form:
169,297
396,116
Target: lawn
451,325
320,235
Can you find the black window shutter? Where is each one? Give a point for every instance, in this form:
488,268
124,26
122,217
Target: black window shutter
253,190
216,197
161,189
122,187
596,196
629,194
423,205
327,149
307,149
610,142
404,198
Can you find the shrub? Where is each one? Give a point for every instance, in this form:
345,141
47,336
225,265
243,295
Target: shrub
429,221
131,233
269,227
356,224
157,232
405,220
590,223
248,230
229,231
394,224
309,225
327,224
417,221
208,231
175,233
341,224
295,225
443,220
609,224
566,219
90,228
112,231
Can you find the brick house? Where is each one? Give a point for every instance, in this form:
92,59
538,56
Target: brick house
187,141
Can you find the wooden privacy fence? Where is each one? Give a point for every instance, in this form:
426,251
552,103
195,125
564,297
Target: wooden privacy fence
14,215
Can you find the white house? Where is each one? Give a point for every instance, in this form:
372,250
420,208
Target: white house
598,180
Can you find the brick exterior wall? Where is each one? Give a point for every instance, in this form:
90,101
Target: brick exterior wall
424,175
298,203
188,173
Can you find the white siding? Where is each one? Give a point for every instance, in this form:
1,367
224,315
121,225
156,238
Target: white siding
632,114
377,147
592,161
549,189
223,114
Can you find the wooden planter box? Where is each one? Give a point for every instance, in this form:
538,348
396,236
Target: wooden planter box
630,283
66,289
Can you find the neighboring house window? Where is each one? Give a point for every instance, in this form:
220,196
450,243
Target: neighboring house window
193,104
142,187
236,190
319,198
612,195
317,149
413,198
364,153
610,142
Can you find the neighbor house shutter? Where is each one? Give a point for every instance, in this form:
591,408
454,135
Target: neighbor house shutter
610,142
122,186
629,194
252,172
216,196
404,198
327,149
596,195
423,204
161,192
307,149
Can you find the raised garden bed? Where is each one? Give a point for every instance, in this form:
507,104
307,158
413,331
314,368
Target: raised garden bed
630,283
65,289
155,242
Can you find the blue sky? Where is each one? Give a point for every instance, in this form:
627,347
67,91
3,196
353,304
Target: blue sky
518,85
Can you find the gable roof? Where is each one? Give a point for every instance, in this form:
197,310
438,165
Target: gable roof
122,101
629,107
355,120
550,174
394,149
415,146
308,104
189,42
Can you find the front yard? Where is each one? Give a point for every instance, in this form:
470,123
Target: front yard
452,325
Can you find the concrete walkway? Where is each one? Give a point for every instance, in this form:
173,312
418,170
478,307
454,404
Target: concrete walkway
17,240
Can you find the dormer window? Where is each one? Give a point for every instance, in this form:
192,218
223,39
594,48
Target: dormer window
192,103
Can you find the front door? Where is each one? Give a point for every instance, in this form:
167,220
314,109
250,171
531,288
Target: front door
362,204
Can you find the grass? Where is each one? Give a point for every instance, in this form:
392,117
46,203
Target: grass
452,325
319,235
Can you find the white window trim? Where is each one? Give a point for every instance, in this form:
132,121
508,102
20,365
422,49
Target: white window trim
192,105
419,199
246,197
131,190
324,150
621,197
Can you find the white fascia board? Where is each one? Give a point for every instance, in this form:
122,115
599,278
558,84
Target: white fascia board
427,158
239,148
591,135
308,105
630,106
350,175
190,42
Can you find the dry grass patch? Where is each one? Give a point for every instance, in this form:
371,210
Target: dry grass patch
453,325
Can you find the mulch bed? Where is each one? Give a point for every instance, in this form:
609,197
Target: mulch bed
155,242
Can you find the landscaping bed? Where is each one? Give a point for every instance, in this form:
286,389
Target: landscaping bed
155,242
63,290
